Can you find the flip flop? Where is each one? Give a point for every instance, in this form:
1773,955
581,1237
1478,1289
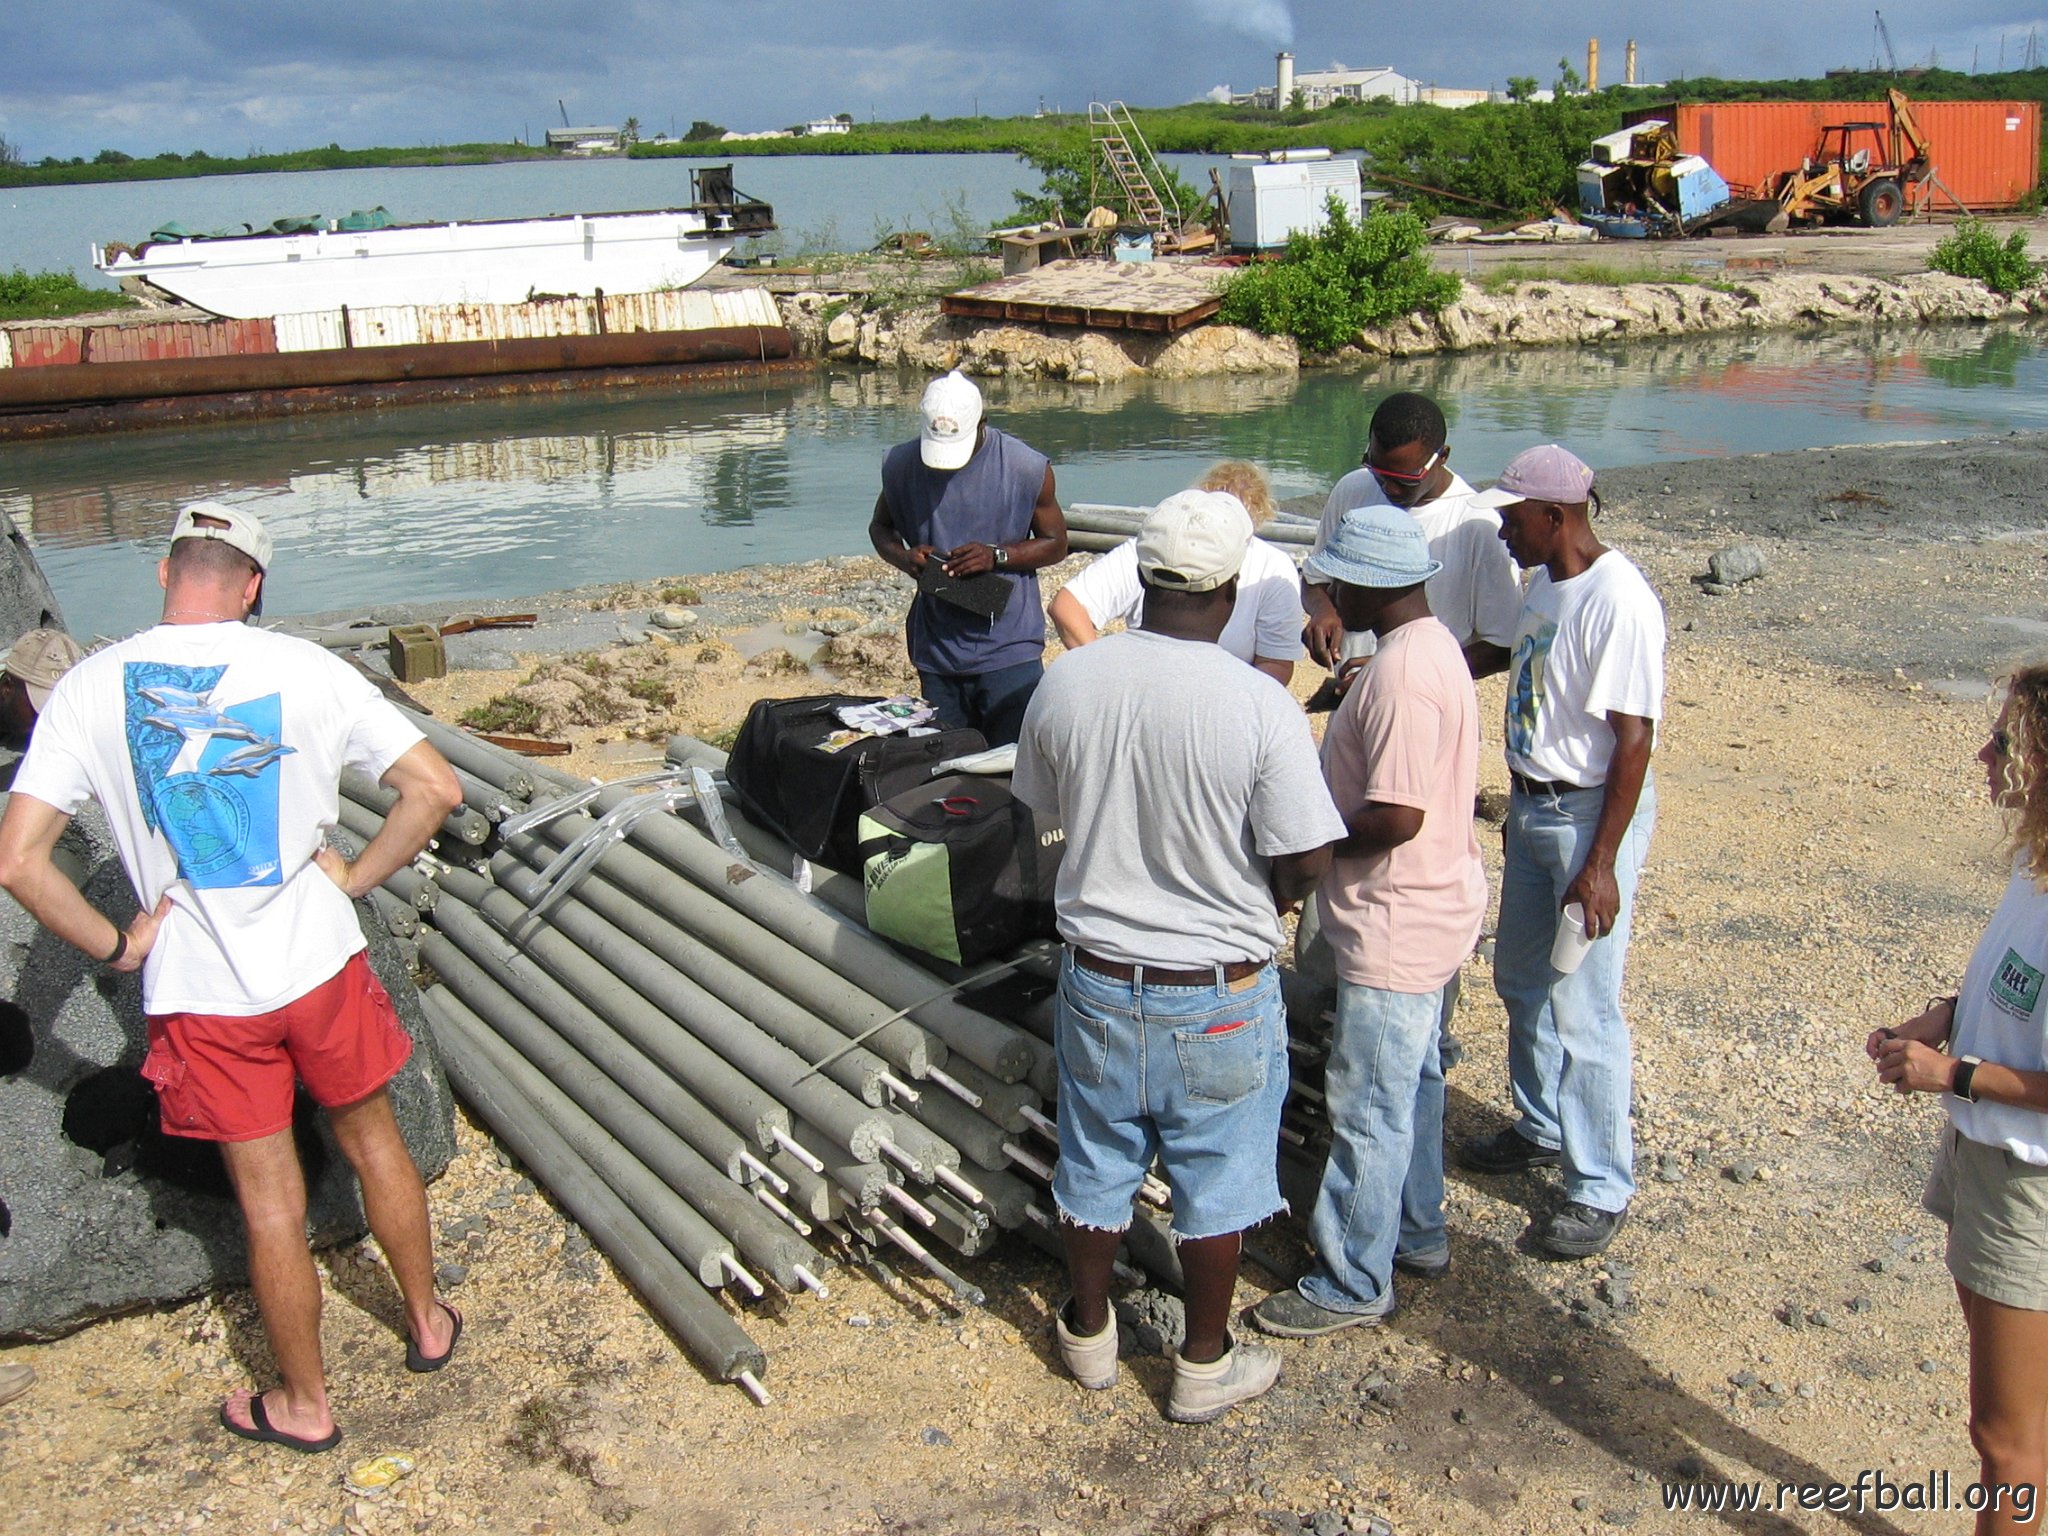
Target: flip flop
420,1364
263,1431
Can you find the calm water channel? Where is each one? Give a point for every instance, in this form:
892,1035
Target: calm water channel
508,498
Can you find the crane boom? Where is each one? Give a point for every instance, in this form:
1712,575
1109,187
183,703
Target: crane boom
1884,36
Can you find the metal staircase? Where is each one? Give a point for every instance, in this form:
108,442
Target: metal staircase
1119,150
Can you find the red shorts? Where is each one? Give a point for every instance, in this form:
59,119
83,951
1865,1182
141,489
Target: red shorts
229,1078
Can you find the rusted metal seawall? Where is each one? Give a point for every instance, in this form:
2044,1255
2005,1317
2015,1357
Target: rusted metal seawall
65,399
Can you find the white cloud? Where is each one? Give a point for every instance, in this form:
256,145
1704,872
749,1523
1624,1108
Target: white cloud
1266,21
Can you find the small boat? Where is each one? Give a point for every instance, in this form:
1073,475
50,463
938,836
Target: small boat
364,261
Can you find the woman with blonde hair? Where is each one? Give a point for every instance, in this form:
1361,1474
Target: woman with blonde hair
1265,623
1990,1180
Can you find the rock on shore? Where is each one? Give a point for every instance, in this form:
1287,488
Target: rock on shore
1544,314
1535,314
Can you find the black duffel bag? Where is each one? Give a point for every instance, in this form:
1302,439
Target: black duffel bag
960,868
786,780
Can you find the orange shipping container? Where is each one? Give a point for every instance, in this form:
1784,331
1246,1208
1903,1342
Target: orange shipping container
1987,152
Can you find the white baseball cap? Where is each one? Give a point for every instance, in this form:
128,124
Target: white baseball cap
1194,541
232,526
952,412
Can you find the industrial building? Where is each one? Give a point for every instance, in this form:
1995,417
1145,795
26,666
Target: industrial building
1319,88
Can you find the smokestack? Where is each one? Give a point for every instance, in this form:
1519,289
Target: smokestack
1593,64
1628,71
1283,81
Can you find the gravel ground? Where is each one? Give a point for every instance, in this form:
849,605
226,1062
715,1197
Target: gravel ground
1777,1309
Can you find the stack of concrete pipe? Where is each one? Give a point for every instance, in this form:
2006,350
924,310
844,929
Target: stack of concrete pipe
1095,527
725,1081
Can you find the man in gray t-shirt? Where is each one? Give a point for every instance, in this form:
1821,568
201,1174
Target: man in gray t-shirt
1195,811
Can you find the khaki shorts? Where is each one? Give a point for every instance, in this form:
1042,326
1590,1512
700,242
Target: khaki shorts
1996,1208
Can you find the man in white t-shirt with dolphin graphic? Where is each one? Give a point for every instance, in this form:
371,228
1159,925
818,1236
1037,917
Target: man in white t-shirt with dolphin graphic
216,751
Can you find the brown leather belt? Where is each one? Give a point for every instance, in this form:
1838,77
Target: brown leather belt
1160,976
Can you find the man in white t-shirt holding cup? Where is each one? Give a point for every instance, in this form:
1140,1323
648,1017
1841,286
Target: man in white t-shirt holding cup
1585,692
216,750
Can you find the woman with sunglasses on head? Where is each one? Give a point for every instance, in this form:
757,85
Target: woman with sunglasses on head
1990,1179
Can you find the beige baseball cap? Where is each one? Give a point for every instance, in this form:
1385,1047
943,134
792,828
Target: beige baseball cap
232,526
1194,541
38,659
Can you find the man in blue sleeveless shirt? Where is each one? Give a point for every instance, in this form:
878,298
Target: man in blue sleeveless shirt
968,499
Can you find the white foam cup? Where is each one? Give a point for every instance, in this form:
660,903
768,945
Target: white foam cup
1569,948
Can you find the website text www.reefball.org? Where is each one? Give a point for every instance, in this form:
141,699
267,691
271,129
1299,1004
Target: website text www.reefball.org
1872,1492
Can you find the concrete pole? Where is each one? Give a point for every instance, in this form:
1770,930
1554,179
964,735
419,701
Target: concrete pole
807,981
740,1102
714,1340
859,1071
777,1070
721,1203
861,958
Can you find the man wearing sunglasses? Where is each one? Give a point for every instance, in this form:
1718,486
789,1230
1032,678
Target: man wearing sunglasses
1477,594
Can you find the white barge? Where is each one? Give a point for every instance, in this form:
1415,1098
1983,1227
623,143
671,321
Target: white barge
362,263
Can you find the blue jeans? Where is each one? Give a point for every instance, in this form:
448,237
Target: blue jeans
1383,1188
1192,1076
992,703
1569,1064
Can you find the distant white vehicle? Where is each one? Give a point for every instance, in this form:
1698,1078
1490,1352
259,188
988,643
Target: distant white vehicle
365,263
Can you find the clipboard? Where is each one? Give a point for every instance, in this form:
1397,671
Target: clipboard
986,596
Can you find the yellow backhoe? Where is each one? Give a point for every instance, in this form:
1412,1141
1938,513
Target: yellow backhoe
1862,173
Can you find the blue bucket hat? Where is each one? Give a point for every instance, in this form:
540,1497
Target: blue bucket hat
1375,546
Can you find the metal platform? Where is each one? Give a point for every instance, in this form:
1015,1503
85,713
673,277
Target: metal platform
1100,295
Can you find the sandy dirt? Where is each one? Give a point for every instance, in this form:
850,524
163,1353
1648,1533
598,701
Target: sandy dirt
1777,1308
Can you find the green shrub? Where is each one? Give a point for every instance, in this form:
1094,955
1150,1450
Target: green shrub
1330,285
1972,250
503,713
47,295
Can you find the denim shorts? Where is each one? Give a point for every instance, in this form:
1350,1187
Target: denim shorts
1191,1076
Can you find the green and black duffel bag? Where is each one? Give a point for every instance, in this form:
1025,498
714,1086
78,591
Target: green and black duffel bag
959,868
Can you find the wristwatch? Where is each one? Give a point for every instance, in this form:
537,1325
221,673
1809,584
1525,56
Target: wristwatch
1002,554
1964,1085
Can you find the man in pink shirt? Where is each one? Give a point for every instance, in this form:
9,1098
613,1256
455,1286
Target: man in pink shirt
1401,908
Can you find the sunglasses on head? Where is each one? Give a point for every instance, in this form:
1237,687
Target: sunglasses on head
1397,477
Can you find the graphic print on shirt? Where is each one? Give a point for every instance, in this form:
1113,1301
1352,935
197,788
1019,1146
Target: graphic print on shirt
1525,691
2015,986
206,776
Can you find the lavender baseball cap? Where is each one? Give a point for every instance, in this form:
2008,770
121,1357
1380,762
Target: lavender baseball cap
1547,473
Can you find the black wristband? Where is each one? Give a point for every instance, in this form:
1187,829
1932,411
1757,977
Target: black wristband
1965,1079
120,947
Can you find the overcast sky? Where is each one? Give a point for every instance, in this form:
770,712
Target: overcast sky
229,76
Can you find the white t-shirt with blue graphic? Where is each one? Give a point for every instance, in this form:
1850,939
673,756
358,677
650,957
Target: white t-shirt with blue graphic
1585,648
216,752
2000,1017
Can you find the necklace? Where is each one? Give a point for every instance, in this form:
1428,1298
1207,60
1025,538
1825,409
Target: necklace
197,613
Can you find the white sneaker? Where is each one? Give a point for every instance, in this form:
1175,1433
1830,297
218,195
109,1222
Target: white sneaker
1204,1392
1091,1361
